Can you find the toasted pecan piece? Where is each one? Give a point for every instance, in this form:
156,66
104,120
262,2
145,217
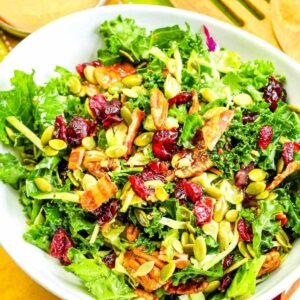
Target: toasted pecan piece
76,158
191,287
271,263
143,295
159,108
132,233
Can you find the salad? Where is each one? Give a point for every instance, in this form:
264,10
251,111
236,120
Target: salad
168,168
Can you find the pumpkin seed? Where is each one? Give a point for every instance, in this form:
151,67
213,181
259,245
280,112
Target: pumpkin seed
200,248
10,133
211,228
42,184
243,249
188,249
231,215
161,194
283,140
236,265
130,93
220,210
82,91
144,269
115,88
208,94
257,175
88,181
190,228
47,135
126,115
255,188
88,143
272,196
143,139
250,250
283,239
177,246
212,286
185,238
49,151
89,72
280,165
78,175
116,151
225,235
57,144
72,178
149,124
132,80
264,195
294,108
231,193
192,238
74,85
141,217
243,100
167,271
214,112
184,213
213,192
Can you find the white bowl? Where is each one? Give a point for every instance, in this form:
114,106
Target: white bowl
73,39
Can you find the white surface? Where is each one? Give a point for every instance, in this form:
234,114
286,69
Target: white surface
72,40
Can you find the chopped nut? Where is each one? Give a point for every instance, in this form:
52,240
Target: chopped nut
132,233
271,263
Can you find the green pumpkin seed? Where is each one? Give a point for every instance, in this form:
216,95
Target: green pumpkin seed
74,85
58,144
188,249
161,194
144,269
283,140
47,135
88,143
149,124
190,228
243,249
211,228
231,193
144,139
88,181
231,215
272,196
116,151
89,74
208,94
220,209
184,213
82,91
177,246
167,271
192,238
10,133
213,192
126,115
78,175
257,175
243,100
141,217
294,108
213,112
115,88
49,151
283,239
132,80
280,165
255,188
185,238
130,93
264,195
225,235
73,180
212,286
200,248
42,184
236,265
250,250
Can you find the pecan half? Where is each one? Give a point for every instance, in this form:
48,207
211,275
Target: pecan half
132,233
191,287
271,263
181,259
143,295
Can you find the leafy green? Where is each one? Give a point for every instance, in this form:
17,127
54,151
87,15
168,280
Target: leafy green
38,235
17,101
179,112
145,242
190,126
11,170
243,284
265,223
101,281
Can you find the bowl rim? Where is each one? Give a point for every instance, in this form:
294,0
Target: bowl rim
290,62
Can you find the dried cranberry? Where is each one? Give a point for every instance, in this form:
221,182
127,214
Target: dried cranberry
181,98
138,185
225,282
282,218
250,117
154,171
296,147
80,67
245,230
107,211
60,128
265,136
273,92
241,177
228,261
78,129
165,144
288,152
108,112
193,190
60,245
110,260
179,192
203,211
